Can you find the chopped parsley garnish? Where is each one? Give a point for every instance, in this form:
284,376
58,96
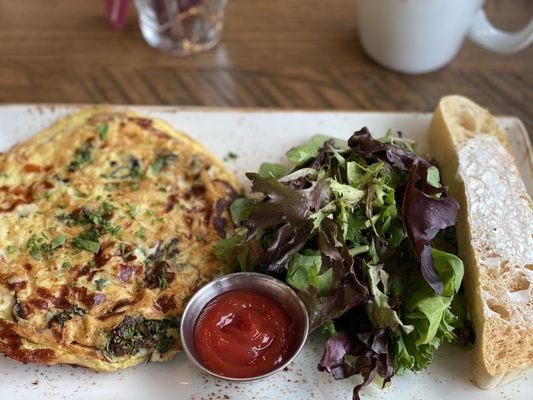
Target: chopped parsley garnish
86,244
163,281
134,185
11,249
162,160
37,248
33,247
131,211
102,131
108,207
141,233
58,242
98,222
66,265
129,253
83,155
114,230
79,194
100,284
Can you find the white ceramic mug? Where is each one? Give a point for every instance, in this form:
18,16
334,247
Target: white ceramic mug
415,36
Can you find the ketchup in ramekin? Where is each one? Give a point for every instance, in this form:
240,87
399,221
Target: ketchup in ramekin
243,334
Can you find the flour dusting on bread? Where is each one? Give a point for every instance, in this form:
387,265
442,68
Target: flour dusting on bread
495,235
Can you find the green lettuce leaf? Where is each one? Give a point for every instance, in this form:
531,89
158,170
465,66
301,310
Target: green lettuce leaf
304,271
272,169
347,193
379,311
430,314
301,154
307,151
241,209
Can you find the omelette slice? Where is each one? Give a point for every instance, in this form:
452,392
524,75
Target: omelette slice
107,223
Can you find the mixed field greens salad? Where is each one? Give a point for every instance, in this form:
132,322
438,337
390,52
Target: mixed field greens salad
364,232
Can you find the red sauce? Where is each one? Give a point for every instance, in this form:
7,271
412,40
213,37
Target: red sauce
243,334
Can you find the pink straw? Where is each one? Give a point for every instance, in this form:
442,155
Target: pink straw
116,13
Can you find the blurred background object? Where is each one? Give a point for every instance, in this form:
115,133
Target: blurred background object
418,36
117,12
274,53
181,27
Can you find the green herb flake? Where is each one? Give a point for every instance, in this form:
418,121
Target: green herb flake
58,242
33,247
162,281
85,244
134,185
100,284
82,156
162,160
66,265
141,233
79,194
102,131
131,211
11,249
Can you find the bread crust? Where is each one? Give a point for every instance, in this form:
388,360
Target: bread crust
495,236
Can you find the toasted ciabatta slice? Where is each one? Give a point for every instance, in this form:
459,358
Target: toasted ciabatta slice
494,233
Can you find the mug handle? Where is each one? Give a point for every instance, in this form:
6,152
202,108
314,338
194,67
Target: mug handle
486,35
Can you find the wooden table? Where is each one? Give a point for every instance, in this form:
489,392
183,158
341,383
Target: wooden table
275,53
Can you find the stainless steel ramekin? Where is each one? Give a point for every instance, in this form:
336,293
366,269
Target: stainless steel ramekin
260,283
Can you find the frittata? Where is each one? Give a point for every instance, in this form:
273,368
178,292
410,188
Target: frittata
107,223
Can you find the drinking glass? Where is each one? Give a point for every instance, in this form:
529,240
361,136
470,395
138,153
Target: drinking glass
181,27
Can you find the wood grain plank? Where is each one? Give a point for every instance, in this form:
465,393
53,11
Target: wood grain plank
275,53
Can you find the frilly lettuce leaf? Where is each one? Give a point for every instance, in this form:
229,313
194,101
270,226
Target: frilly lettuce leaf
430,314
304,271
272,169
378,309
310,150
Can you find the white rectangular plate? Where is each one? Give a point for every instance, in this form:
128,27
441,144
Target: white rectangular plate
255,136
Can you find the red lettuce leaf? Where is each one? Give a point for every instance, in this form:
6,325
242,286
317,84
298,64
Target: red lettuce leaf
366,146
424,216
347,290
284,213
366,353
